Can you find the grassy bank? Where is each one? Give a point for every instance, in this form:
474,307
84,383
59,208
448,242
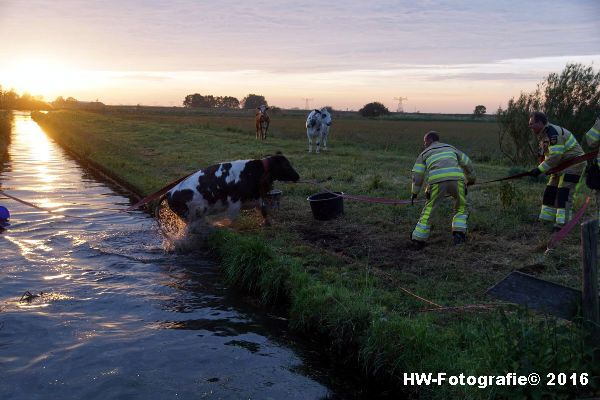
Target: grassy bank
354,280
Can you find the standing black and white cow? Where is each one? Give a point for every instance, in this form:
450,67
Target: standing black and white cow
226,188
325,126
317,126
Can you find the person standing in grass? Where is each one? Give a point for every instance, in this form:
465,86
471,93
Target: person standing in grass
592,138
556,145
445,169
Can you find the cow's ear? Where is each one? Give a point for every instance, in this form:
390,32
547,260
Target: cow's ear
279,153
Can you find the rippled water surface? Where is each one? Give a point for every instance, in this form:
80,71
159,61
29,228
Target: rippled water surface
118,317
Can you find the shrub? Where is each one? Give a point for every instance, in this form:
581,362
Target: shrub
570,99
374,109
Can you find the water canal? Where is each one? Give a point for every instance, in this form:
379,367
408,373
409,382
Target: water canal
118,316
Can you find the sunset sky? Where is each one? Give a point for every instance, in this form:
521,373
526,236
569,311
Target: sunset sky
444,56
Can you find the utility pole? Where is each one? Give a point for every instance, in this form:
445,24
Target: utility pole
400,109
306,100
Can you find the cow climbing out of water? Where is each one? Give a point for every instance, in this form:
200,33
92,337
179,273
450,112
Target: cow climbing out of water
317,126
226,188
262,120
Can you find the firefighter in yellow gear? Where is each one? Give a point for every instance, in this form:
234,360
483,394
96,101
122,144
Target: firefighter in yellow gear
445,170
556,145
592,137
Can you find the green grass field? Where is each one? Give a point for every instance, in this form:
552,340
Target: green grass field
354,281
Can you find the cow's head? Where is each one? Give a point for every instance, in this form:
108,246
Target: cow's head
280,169
262,109
314,119
325,116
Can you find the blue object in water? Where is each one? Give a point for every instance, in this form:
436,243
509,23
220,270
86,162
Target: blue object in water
4,216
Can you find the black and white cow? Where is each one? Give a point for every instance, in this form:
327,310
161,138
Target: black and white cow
317,125
325,126
226,188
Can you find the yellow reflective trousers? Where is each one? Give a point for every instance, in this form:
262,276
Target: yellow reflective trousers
455,189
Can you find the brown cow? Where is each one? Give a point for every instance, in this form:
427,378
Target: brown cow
262,122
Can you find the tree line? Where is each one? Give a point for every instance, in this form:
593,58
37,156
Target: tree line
197,100
10,100
570,99
376,109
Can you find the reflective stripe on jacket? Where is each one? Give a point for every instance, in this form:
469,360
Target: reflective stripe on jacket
441,162
592,137
557,145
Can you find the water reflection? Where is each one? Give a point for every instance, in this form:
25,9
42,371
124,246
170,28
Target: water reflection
37,145
29,248
52,277
47,203
120,318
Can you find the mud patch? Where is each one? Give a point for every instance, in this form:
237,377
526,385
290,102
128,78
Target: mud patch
354,242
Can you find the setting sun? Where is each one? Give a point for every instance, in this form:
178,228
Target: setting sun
40,76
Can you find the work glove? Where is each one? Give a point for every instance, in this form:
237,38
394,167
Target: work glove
428,193
413,198
534,172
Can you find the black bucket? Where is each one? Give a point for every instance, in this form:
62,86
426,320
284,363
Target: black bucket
327,205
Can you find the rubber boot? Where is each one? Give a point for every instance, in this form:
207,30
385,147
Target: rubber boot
459,237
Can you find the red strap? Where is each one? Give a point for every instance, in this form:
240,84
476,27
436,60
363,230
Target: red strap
370,199
375,199
515,176
27,203
560,235
156,194
576,160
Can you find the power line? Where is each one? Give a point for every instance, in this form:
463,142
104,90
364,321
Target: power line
400,109
306,100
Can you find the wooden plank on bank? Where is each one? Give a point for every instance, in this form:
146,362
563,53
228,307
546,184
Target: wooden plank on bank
538,294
